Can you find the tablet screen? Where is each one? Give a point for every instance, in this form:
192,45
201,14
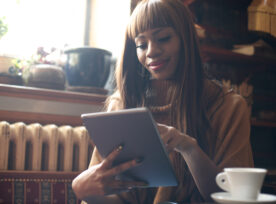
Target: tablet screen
137,131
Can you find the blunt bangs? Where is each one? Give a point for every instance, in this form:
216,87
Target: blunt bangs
149,15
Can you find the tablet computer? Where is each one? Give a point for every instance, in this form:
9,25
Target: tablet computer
136,129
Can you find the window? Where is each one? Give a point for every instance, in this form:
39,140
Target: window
34,23
109,19
56,23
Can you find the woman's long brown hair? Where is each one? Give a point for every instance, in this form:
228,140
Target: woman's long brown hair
132,79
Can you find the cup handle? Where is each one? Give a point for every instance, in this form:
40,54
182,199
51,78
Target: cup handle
222,181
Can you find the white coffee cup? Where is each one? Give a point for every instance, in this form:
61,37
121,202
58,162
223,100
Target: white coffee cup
242,183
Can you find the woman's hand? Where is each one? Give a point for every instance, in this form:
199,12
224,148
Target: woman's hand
99,180
174,139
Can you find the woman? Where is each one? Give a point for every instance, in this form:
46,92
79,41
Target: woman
204,126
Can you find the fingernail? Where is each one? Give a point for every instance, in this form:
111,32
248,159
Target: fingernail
139,160
120,148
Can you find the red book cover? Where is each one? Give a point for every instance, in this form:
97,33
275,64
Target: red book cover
59,192
32,192
37,187
6,192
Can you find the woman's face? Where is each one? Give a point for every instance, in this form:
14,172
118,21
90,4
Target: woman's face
158,51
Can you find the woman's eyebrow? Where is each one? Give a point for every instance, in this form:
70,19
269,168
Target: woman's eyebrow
157,31
141,36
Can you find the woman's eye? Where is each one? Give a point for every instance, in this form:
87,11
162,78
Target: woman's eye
141,46
164,39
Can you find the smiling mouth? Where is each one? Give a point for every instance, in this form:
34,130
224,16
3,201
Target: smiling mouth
157,65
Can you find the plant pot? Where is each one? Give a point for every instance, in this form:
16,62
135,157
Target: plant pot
46,76
87,66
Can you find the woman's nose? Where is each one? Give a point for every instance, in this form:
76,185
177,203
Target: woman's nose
153,50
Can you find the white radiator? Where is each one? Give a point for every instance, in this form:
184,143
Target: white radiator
47,148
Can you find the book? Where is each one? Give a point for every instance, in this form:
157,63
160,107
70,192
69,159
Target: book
260,48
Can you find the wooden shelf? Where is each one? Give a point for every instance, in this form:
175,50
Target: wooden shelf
220,55
262,123
271,172
263,97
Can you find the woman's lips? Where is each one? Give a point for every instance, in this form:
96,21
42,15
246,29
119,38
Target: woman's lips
156,65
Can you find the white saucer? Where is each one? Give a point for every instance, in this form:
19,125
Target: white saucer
225,198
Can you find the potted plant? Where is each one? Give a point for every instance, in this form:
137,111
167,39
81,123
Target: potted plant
3,27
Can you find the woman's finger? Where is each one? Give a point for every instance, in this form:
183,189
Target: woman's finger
173,143
122,167
110,190
166,137
117,190
171,139
118,186
113,186
128,184
107,162
161,128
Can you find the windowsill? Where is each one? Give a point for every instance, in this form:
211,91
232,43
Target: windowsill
29,105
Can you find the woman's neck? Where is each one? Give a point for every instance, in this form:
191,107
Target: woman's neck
159,92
